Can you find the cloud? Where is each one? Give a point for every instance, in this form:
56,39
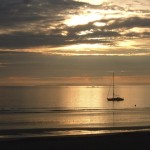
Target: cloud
31,24
34,68
130,23
27,40
39,66
35,37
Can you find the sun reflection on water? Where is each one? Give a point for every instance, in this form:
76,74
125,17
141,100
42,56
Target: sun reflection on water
84,97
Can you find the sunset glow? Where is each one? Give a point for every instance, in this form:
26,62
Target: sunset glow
105,23
73,38
93,2
82,19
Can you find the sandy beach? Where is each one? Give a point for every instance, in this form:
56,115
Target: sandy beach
120,141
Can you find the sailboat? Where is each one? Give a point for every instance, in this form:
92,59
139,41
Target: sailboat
114,98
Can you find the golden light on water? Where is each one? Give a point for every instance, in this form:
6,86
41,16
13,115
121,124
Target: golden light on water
68,49
84,97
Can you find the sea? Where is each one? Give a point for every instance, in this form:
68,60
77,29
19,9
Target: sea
27,111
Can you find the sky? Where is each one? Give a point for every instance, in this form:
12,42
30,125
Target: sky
75,42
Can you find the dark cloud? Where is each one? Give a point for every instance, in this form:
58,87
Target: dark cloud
15,16
43,66
28,22
27,40
33,23
138,35
18,12
105,34
130,23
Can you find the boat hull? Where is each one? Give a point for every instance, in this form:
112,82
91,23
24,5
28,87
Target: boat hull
115,99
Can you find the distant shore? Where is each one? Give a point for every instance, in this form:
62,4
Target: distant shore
132,140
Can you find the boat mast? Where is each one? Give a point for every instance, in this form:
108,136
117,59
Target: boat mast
113,86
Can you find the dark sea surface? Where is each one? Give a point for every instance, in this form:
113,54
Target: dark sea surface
73,110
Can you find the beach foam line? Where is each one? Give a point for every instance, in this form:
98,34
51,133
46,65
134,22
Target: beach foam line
51,132
116,141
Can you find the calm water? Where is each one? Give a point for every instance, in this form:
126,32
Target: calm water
73,109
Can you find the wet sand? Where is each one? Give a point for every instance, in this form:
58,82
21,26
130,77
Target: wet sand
120,141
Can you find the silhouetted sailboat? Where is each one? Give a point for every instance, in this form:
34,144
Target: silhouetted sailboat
114,98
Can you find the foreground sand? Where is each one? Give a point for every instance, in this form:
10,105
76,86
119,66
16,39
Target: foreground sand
119,141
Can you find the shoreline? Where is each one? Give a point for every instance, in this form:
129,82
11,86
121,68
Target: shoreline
78,128
11,134
123,140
